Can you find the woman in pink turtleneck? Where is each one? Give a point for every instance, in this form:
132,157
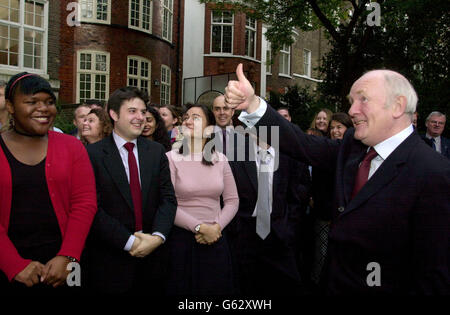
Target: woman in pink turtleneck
200,261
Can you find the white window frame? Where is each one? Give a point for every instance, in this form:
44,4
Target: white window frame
94,12
252,31
165,85
139,76
167,7
141,17
9,69
285,52
93,72
222,24
269,58
307,62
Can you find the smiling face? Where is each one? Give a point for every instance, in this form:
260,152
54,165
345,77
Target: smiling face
168,118
222,113
322,121
129,122
337,130
194,123
92,128
33,114
149,125
372,118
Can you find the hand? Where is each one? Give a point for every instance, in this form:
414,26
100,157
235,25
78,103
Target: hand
208,233
240,94
148,243
55,271
30,275
135,245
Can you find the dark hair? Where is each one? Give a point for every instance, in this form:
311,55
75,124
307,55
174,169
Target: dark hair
28,84
160,135
284,108
104,122
119,96
343,118
210,120
176,112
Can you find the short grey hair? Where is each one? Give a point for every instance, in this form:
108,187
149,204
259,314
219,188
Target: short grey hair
397,85
435,113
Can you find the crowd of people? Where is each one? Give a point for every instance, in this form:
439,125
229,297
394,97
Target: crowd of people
141,200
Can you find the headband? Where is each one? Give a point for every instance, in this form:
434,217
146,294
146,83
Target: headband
17,80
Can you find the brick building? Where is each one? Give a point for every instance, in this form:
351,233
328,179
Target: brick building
216,41
296,64
118,43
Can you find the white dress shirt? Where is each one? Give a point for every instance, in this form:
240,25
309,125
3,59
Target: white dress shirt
385,148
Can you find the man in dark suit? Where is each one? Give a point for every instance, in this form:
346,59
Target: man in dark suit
263,254
435,123
136,202
391,215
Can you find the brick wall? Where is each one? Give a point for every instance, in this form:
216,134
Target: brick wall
120,42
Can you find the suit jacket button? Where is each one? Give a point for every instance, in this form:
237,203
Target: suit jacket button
341,209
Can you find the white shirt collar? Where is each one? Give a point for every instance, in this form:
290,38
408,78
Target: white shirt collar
120,142
385,148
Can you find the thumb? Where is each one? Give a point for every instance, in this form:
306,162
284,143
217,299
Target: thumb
240,73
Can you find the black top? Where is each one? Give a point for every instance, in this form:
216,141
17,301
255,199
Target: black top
33,226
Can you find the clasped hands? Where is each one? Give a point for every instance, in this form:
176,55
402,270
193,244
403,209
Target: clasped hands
144,244
208,233
53,273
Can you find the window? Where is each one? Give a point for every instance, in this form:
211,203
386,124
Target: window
285,60
97,11
92,75
139,73
222,32
140,15
23,34
165,85
250,37
167,19
307,62
269,58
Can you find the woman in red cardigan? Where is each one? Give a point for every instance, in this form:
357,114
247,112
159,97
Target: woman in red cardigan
47,190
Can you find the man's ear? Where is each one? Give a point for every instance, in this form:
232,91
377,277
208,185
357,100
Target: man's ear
399,106
113,115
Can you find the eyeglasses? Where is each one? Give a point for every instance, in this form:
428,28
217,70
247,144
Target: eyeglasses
440,123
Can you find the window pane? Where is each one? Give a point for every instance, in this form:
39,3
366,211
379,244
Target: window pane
28,61
227,39
227,17
37,62
217,16
100,62
216,39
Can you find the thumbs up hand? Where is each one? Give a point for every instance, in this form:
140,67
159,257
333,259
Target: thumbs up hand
240,94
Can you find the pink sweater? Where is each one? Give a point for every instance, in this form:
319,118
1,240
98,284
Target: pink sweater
198,188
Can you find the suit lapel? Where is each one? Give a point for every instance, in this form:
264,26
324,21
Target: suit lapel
114,166
388,170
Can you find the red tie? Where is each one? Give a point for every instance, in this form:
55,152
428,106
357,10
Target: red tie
135,187
363,171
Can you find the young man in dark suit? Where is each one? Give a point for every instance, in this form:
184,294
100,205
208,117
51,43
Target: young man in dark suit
391,213
136,202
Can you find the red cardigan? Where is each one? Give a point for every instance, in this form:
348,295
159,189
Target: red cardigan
71,185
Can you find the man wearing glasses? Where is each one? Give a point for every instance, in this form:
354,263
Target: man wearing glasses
435,126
